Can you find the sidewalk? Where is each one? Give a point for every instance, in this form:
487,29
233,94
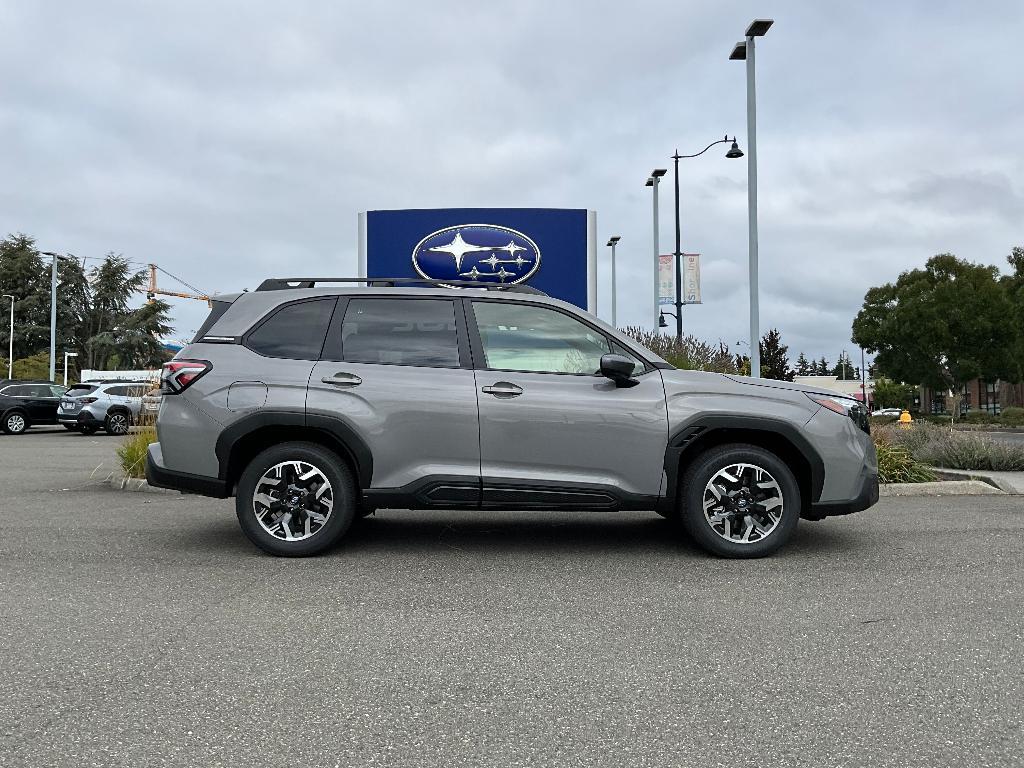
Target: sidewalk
1008,482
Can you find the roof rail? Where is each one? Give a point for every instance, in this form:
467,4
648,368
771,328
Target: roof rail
284,283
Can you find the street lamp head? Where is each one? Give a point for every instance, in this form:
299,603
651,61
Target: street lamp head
659,172
70,354
758,27
734,151
649,182
662,322
613,240
739,52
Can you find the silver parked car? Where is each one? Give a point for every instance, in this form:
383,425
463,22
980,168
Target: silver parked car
316,404
111,406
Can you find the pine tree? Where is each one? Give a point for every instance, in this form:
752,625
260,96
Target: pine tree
774,357
822,367
803,367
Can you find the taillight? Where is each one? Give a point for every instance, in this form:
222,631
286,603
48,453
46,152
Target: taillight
179,375
88,399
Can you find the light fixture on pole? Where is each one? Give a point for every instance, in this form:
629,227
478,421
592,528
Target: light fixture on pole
734,152
612,242
66,356
744,51
10,353
653,181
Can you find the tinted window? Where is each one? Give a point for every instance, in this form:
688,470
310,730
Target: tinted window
81,389
295,331
401,332
37,390
217,309
18,390
115,391
517,337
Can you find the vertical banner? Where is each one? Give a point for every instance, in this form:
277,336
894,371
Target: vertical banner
691,278
666,280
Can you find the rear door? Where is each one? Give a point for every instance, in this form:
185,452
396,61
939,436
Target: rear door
396,372
42,403
553,431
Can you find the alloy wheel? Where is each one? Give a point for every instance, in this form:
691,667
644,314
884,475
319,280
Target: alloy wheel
743,503
15,423
117,424
293,500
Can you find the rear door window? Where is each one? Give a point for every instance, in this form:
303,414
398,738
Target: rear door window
295,331
419,332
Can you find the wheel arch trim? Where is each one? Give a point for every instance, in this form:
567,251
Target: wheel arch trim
686,441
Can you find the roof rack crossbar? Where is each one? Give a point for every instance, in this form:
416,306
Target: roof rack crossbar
285,283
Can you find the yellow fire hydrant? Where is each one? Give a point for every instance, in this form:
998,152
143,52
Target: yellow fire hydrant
905,418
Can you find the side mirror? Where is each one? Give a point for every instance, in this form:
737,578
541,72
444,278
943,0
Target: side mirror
619,369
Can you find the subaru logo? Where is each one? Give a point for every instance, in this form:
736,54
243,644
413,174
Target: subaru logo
481,252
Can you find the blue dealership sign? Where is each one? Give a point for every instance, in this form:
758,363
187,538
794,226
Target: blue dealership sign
552,249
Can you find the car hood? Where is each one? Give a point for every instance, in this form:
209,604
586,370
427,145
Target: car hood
713,381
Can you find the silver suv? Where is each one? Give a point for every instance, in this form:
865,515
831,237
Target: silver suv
314,405
112,406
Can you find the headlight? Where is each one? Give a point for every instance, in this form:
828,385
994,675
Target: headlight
844,406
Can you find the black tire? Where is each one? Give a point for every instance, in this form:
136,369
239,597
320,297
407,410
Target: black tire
343,489
87,430
15,422
118,423
695,483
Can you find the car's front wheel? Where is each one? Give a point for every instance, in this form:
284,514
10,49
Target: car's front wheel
15,423
739,501
296,499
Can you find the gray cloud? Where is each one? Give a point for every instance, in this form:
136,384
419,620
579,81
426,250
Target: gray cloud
233,141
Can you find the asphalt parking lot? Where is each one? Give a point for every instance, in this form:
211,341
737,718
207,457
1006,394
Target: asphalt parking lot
143,629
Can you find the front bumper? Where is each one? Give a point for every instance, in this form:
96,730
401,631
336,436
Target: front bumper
867,496
160,476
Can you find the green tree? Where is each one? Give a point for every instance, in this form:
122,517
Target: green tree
24,275
892,394
774,357
940,326
112,285
822,368
844,370
803,366
1013,284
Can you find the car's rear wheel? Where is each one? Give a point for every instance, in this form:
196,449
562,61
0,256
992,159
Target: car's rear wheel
740,501
88,429
15,423
117,423
296,499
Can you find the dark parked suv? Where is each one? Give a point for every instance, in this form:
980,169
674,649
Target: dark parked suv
25,403
314,404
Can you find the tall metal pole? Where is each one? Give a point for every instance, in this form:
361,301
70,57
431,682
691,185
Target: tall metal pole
863,379
53,320
657,257
10,353
755,322
679,259
614,292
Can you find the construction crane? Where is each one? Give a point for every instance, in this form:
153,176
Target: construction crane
152,290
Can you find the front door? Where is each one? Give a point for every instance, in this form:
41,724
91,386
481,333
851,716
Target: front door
553,431
397,372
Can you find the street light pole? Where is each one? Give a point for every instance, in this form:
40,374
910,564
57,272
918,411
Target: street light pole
653,181
10,353
734,152
745,51
612,242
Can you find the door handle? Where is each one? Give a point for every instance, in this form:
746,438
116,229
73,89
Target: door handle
342,379
503,389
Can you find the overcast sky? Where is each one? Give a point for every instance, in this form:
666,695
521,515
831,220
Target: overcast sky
229,142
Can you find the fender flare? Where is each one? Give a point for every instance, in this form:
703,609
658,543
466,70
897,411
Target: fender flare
336,430
687,438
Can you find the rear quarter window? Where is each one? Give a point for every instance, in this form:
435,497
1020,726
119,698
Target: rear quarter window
294,331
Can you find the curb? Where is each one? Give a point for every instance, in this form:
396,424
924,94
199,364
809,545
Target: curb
954,475
941,488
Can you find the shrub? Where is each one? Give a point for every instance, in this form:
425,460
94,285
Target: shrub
132,452
940,447
896,464
689,353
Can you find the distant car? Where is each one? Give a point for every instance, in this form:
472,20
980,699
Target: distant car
887,412
27,403
112,407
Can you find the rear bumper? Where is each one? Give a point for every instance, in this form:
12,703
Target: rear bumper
81,419
867,496
160,476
